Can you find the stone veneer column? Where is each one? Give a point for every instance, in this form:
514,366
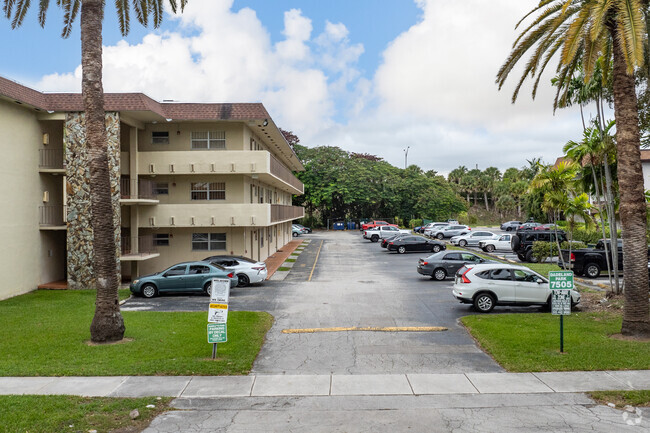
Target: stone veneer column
80,233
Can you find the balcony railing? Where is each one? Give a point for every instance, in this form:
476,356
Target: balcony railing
52,216
51,159
145,189
145,245
282,213
279,170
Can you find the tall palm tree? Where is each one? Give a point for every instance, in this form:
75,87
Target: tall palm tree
578,206
581,31
107,324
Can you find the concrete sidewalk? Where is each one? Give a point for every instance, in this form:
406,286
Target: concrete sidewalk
328,385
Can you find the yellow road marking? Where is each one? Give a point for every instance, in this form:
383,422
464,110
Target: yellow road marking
315,261
367,328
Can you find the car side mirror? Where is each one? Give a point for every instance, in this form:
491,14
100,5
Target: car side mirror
164,275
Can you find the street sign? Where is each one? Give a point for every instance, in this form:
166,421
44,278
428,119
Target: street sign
561,284
560,280
217,333
220,291
218,313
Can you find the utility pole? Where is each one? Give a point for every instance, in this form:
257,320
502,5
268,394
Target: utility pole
406,156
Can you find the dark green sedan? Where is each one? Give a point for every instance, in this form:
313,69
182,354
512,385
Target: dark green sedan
182,277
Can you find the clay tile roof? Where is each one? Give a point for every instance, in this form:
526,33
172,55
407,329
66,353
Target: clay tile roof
22,94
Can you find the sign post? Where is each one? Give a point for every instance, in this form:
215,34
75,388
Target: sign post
561,284
218,313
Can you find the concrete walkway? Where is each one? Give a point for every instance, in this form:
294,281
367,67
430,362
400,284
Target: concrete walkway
328,385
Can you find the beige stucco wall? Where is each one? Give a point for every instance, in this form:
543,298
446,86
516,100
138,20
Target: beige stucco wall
20,189
180,135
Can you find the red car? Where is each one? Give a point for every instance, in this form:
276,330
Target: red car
547,227
373,224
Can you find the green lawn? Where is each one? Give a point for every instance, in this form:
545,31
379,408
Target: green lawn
45,333
531,342
622,398
54,413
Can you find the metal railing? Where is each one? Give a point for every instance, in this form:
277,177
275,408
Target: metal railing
145,245
282,213
132,188
51,215
51,158
279,170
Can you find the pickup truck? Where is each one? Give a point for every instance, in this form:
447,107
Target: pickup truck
373,224
590,261
381,232
501,244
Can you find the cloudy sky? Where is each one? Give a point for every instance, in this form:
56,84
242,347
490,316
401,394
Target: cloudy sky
370,76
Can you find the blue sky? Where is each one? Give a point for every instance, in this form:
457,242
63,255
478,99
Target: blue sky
369,76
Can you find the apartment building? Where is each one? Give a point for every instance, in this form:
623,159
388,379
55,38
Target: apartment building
187,181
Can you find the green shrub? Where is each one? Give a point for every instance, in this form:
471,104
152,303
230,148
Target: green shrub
590,236
576,245
472,220
415,223
544,250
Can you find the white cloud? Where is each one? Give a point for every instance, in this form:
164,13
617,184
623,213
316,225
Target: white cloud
433,91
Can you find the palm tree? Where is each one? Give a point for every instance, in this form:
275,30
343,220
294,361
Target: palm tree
107,324
582,31
579,207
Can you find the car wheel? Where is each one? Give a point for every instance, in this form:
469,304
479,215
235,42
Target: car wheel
439,274
440,236
530,258
401,249
243,280
484,302
521,257
294,234
462,243
489,248
514,243
374,238
207,288
435,249
149,291
592,270
508,229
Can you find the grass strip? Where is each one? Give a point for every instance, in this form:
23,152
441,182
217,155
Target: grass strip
284,269
531,342
622,398
45,333
63,413
290,260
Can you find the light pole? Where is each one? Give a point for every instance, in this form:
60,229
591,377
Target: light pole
406,156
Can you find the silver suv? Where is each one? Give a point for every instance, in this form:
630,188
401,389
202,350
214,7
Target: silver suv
449,231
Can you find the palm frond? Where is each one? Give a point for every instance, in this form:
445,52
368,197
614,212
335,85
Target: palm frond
541,4
549,11
21,9
71,9
592,52
42,11
141,12
7,8
575,36
600,11
122,8
630,32
549,55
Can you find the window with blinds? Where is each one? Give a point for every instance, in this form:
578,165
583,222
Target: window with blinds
209,140
208,191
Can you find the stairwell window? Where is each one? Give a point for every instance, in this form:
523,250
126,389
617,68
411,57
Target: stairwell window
159,137
209,140
208,191
208,241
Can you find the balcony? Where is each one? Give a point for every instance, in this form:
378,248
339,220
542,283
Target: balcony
257,164
52,217
139,191
280,213
51,161
138,248
210,214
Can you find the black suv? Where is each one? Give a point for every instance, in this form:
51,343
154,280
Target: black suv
522,242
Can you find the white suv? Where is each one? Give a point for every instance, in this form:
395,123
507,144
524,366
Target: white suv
493,284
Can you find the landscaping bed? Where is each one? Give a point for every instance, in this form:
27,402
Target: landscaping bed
46,333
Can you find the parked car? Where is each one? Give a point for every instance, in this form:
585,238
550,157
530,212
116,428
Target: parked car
380,232
511,225
529,226
488,285
303,228
415,243
295,231
182,277
500,244
388,238
547,227
472,238
375,223
522,242
591,261
433,228
440,265
452,221
246,270
450,231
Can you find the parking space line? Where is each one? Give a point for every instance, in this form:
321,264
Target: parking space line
315,261
367,328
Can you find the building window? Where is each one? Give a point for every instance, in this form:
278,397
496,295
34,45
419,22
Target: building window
203,140
260,194
161,188
159,137
208,191
161,239
208,241
252,192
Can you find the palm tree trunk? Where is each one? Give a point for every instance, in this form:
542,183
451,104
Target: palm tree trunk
487,207
636,311
107,324
602,224
612,225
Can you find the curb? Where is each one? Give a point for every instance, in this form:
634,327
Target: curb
279,275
